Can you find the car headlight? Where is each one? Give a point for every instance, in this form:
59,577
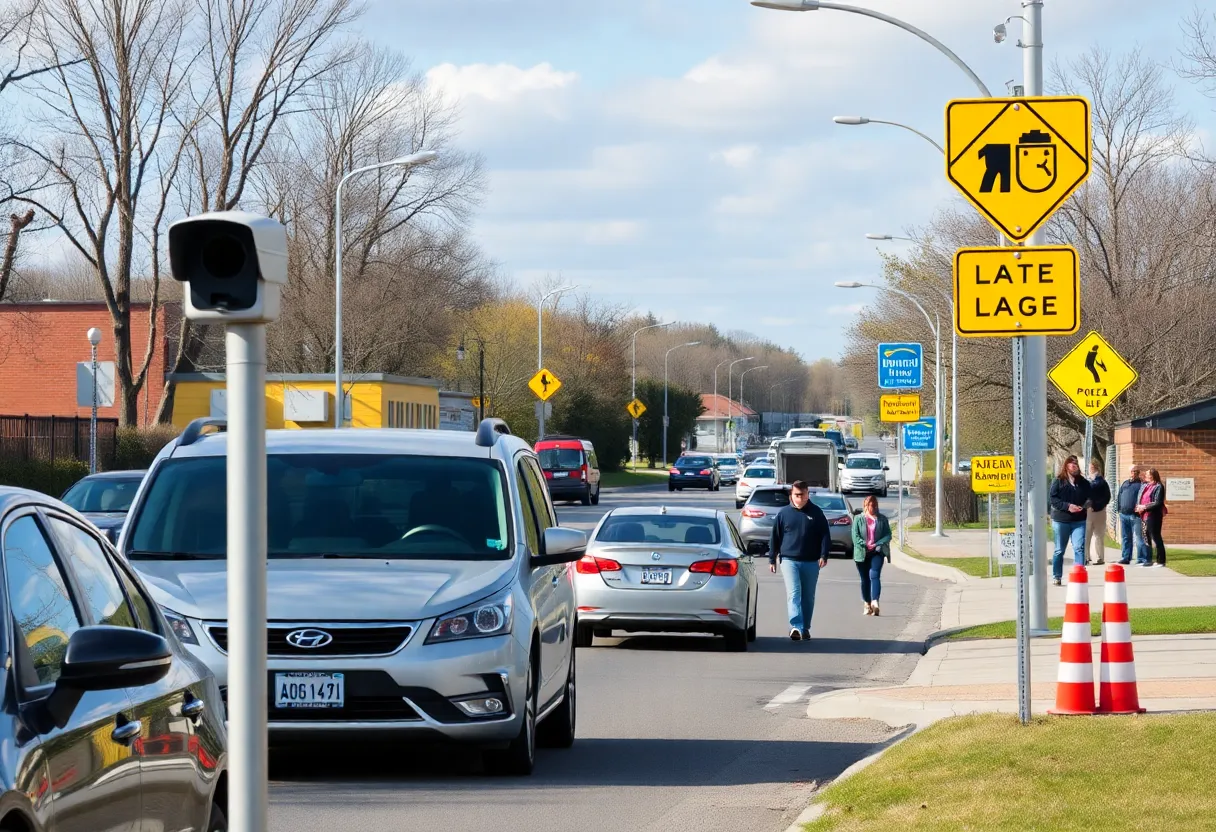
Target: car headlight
490,617
180,627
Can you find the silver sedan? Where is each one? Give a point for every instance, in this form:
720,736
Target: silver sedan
659,569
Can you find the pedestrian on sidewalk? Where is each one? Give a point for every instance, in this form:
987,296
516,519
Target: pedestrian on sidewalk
800,540
1095,521
871,546
1069,501
1131,534
1152,510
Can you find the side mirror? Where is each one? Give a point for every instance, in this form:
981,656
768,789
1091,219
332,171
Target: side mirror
106,658
561,545
885,468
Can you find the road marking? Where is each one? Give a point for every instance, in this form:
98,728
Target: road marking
788,696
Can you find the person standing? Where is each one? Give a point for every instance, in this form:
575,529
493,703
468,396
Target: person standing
1095,521
1131,535
800,540
1069,497
871,546
1151,507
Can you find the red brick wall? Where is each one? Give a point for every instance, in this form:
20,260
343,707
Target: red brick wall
40,344
1181,453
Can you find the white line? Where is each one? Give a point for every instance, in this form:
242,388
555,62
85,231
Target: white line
788,696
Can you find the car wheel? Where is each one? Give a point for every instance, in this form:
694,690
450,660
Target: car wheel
595,498
520,756
736,641
586,498
557,731
583,635
218,822
886,492
751,631
670,487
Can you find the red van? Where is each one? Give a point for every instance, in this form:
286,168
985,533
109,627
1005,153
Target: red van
571,470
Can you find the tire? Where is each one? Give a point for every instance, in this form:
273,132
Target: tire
751,631
586,498
519,758
886,491
218,822
583,635
736,641
670,487
595,498
557,731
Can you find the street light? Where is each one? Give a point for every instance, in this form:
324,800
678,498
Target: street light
481,373
937,394
540,335
94,335
888,237
412,160
856,120
666,420
741,405
717,409
633,389
730,400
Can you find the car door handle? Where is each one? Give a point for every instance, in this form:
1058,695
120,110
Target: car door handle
126,732
193,707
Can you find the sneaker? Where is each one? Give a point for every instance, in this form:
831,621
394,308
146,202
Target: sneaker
866,609
874,607
1124,562
1057,581
1158,566
806,635
795,635
1144,565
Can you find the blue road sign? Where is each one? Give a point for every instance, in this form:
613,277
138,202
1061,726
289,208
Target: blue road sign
900,366
918,436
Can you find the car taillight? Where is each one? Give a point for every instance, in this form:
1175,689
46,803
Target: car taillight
674,471
753,512
743,482
706,471
723,568
591,565
841,521
576,475
548,475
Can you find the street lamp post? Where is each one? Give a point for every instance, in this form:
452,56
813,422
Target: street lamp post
633,389
742,375
666,420
936,329
481,374
717,409
540,351
730,401
858,120
412,160
94,335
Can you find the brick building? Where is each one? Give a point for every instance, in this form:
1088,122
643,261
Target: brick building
1181,445
41,343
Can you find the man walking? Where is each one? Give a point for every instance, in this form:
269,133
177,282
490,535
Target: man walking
1130,533
1095,529
800,540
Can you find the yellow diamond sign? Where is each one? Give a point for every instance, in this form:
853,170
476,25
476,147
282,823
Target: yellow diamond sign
1017,159
1093,375
544,384
636,408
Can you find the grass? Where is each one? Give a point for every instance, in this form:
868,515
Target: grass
623,479
975,567
987,772
1191,563
1164,621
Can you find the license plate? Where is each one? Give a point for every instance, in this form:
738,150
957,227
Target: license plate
656,576
690,473
557,475
309,690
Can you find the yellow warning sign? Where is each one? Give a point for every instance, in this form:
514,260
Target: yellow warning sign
992,474
1017,159
636,408
899,407
1016,291
1093,375
544,384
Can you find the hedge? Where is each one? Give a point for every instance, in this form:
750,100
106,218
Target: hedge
52,478
960,504
137,447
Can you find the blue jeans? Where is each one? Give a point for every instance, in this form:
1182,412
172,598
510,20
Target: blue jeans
1131,534
870,571
1064,532
801,577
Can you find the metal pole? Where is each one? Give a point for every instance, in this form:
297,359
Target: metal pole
93,418
1022,501
540,413
953,395
665,419
899,451
339,395
1088,450
633,394
937,431
989,535
481,380
247,694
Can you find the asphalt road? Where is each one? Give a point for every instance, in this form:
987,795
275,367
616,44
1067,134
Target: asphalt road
673,732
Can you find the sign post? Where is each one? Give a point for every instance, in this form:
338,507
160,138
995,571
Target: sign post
992,475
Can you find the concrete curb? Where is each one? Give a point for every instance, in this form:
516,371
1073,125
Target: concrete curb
925,569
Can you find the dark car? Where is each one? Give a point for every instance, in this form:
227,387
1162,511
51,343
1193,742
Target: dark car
110,723
105,499
837,438
571,469
693,471
762,506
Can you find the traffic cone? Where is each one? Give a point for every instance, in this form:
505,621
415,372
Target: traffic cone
1075,681
1117,691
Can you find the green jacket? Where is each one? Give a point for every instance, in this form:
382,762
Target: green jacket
882,536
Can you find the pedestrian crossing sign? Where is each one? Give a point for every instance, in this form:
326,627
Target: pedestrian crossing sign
636,408
1093,375
544,384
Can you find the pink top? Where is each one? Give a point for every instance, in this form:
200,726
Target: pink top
1146,494
871,522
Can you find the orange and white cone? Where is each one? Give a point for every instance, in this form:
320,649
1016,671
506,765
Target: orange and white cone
1117,691
1075,682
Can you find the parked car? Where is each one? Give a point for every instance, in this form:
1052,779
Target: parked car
112,723
693,471
964,465
728,468
837,438
864,472
419,585
105,498
756,475
851,444
764,503
654,569
571,469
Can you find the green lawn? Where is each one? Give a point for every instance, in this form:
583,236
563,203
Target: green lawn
987,772
622,479
1145,622
976,567
1191,563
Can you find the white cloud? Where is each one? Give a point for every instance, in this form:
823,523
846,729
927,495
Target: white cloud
849,309
498,82
738,156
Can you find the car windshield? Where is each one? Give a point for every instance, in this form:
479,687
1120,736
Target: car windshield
728,462
835,435
354,505
694,462
829,502
871,463
560,459
100,494
779,497
659,528
760,472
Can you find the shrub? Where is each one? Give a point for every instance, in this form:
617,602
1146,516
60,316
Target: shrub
137,447
51,478
960,504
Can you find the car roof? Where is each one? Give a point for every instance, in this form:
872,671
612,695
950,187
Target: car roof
115,475
862,454
357,441
11,497
681,511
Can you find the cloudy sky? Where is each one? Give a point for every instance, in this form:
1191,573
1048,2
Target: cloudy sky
680,156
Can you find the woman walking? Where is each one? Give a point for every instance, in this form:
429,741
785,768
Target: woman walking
871,546
1151,508
1069,499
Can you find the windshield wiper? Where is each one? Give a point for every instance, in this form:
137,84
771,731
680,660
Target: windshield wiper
137,553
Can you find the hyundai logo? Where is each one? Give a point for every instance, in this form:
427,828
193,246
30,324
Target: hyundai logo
655,556
309,639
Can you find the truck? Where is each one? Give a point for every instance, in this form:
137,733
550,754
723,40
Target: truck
812,460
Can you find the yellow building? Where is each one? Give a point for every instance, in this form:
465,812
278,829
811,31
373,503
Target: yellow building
373,400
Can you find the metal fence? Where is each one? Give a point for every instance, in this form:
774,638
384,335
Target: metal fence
52,438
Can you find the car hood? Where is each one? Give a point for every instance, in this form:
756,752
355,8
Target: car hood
330,589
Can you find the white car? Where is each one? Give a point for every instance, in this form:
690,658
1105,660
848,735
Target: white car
864,472
757,474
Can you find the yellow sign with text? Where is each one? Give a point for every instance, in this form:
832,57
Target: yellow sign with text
1018,159
544,384
1000,292
899,407
993,474
1093,375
